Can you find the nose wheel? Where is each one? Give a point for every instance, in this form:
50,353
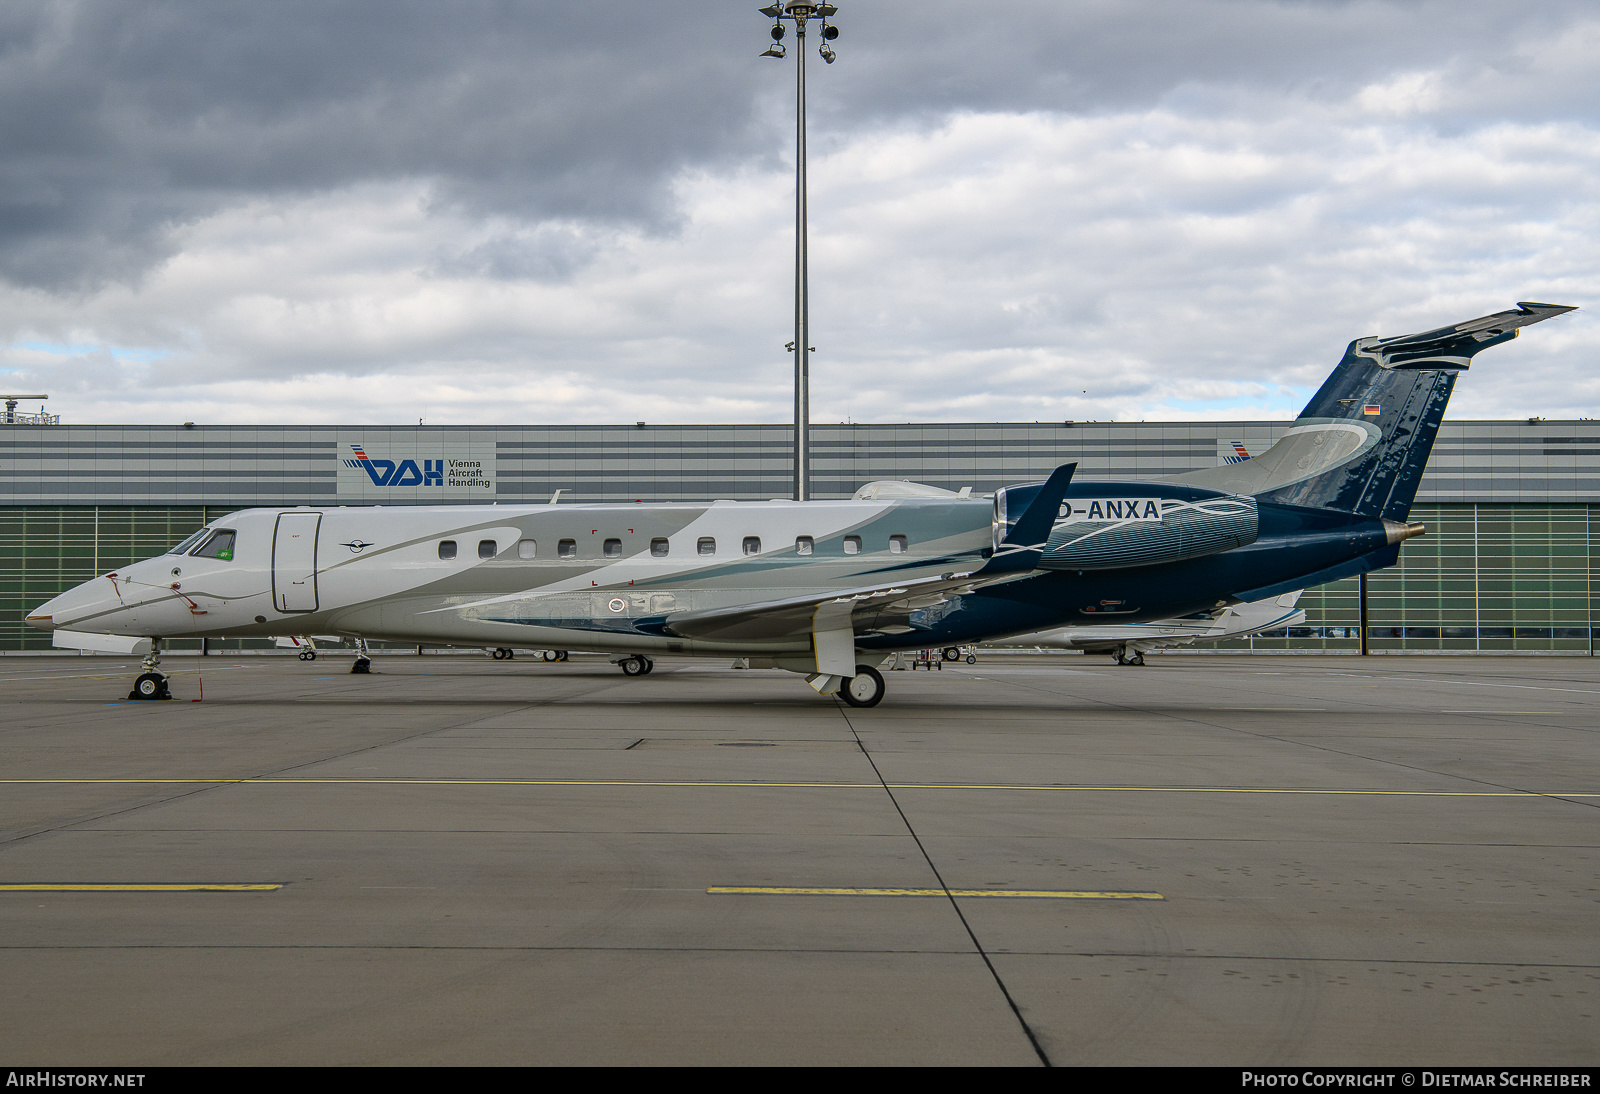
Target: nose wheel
150,685
152,682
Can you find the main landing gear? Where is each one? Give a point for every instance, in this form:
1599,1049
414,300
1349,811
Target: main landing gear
1122,656
636,665
864,689
503,654
553,655
152,682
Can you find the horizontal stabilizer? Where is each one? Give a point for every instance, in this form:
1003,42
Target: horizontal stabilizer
1454,346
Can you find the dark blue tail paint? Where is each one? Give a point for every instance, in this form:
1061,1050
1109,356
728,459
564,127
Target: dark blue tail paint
1401,385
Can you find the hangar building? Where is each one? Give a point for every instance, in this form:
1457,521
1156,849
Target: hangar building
1508,564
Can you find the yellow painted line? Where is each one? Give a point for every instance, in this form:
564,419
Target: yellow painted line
821,786
142,887
1050,894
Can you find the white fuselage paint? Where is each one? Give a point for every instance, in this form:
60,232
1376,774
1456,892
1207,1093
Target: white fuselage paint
376,572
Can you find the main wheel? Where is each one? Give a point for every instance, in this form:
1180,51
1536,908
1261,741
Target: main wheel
633,666
864,689
952,654
561,655
549,655
649,666
151,685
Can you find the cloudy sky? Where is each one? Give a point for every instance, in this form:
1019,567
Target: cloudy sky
583,212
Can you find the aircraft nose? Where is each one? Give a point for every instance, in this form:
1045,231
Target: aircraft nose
43,617
72,606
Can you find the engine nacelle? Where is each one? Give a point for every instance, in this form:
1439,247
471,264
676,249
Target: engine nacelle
1114,533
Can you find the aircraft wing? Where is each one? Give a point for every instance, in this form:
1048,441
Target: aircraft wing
796,615
838,612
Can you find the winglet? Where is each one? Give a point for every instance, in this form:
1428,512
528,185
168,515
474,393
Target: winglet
1023,545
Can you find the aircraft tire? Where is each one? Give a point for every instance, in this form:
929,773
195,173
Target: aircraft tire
649,666
561,655
362,666
1136,658
150,685
548,655
865,689
951,653
633,666
972,659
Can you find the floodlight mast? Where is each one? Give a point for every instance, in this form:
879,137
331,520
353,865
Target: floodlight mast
799,11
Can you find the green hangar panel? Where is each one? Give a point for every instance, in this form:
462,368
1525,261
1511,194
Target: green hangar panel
1508,563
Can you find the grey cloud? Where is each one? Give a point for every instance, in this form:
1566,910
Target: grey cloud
128,119
125,121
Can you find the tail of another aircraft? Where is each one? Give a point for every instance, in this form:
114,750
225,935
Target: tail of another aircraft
1361,444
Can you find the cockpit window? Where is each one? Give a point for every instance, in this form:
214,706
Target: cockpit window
189,541
219,546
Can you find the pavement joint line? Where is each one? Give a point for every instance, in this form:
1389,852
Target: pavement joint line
822,786
1050,894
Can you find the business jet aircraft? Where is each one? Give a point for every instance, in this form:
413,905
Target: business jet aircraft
828,589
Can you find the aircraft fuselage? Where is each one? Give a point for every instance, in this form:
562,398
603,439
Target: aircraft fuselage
613,577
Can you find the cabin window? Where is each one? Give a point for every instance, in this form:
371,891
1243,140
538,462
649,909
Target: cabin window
527,548
613,548
567,548
852,545
447,548
804,545
488,548
219,546
752,545
189,541
897,545
706,546
659,548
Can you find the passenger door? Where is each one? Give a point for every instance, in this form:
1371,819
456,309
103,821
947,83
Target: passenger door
294,562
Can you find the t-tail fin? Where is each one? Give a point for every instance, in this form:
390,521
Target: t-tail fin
1362,442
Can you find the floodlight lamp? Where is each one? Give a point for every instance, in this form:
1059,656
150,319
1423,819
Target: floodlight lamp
827,54
830,32
777,32
772,11
775,50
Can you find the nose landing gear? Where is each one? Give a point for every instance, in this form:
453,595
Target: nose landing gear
152,682
363,663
